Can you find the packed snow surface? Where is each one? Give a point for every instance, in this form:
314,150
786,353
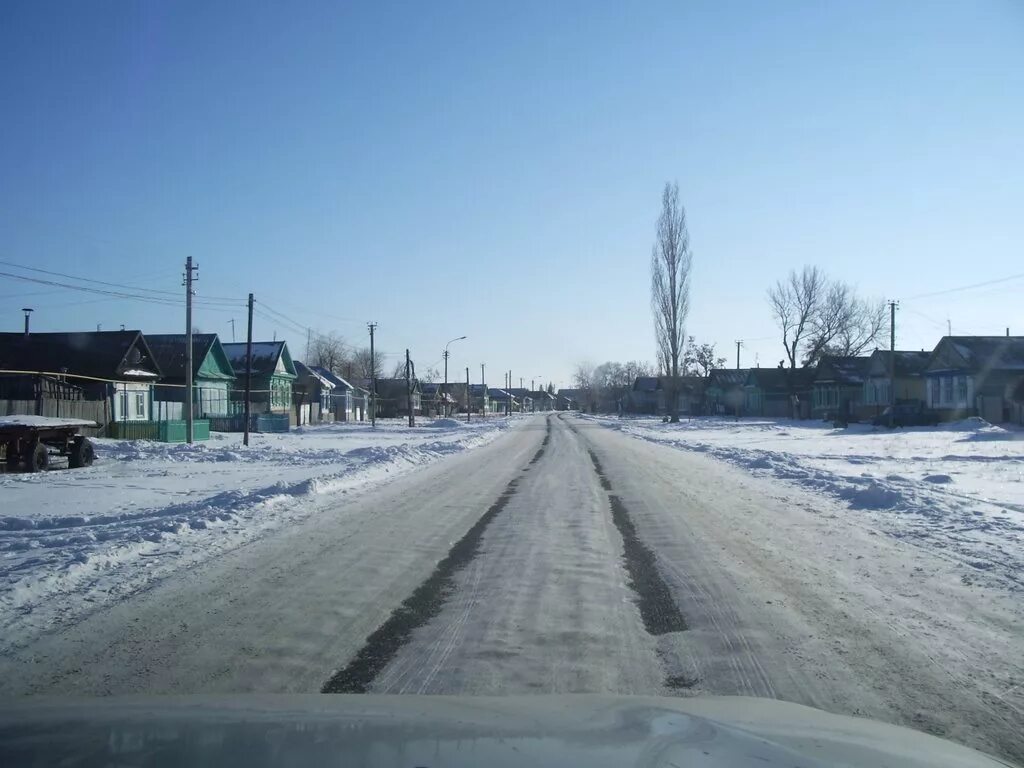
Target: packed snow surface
43,421
957,488
71,540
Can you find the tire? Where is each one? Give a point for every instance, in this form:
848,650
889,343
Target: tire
82,453
38,458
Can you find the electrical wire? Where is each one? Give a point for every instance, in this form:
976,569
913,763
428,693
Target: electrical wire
972,286
157,291
165,301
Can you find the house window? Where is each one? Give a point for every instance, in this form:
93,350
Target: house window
947,389
961,390
122,405
140,406
933,392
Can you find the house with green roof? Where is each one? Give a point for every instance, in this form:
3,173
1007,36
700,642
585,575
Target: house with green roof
212,376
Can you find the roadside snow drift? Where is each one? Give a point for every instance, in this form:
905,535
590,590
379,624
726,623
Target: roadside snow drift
71,540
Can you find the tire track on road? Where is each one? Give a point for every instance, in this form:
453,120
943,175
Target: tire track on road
425,602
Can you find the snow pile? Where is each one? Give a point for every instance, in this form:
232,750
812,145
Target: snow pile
74,539
957,488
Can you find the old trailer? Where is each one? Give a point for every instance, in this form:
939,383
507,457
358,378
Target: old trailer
32,440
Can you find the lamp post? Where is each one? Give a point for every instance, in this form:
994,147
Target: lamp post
457,338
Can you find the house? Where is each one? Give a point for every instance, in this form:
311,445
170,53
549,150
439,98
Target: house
724,393
313,396
480,398
212,376
502,401
105,376
522,402
910,381
646,396
838,390
565,402
457,391
393,398
975,376
779,392
435,399
271,386
541,401
347,401
1017,404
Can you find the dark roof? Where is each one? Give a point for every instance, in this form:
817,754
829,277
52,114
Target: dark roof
476,390
307,371
646,384
265,355
541,394
908,363
518,392
980,353
728,377
393,388
169,351
781,379
101,354
499,394
843,370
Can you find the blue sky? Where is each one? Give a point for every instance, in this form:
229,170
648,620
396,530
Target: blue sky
495,170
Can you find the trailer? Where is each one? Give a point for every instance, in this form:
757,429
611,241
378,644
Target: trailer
31,440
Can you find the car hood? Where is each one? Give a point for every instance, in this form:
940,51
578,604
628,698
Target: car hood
405,731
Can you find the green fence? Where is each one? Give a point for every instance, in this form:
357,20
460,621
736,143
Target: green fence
163,431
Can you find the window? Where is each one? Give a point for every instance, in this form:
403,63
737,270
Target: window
933,392
961,390
122,405
947,389
140,406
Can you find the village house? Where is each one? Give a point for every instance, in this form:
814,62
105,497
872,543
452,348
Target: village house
393,398
348,402
541,401
724,393
104,376
838,391
313,396
779,392
909,381
480,398
271,386
522,402
975,376
435,400
212,376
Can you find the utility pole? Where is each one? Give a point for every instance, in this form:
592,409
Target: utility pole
445,356
373,378
949,327
28,311
483,393
232,321
892,362
508,403
189,279
738,345
469,400
309,338
408,390
247,409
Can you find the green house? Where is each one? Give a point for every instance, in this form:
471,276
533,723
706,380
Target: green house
212,376
272,375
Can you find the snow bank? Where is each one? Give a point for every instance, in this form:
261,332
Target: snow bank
957,488
71,540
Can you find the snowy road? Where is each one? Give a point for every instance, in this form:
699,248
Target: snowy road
568,557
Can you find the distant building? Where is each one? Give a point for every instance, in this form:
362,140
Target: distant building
975,376
272,375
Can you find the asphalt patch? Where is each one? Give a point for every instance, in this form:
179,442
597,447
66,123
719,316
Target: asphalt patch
423,604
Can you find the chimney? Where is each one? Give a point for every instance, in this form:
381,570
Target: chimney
1007,331
27,311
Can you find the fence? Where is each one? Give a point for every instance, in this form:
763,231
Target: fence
164,431
258,422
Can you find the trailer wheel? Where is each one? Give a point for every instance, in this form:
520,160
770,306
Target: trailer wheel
82,453
38,458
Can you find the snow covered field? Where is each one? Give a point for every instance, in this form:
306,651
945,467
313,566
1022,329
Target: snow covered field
957,488
71,541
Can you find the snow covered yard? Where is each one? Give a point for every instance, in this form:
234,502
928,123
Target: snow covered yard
957,488
73,540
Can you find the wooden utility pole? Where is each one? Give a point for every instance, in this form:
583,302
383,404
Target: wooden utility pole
247,409
892,362
483,393
373,378
232,321
189,269
469,400
738,345
408,390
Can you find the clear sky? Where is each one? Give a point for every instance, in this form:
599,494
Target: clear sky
495,169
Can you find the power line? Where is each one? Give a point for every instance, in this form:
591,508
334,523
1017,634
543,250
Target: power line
168,301
1006,279
157,291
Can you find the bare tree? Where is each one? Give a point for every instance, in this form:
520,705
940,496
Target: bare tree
818,316
671,260
398,372
700,358
358,367
583,380
328,351
429,376
795,303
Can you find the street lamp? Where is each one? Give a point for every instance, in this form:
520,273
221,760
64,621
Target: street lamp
458,338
